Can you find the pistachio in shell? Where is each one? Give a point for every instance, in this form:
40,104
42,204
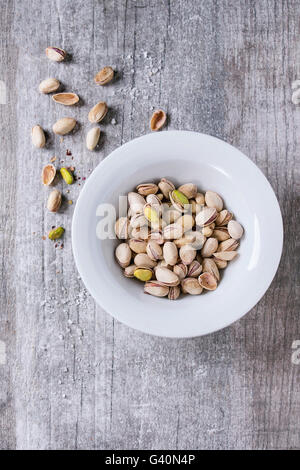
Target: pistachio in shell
104,76
156,289
98,112
191,286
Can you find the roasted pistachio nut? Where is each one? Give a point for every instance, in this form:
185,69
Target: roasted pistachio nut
172,231
223,218
221,233
138,220
140,232
136,203
206,216
147,188
186,221
56,233
207,281
98,112
166,276
235,229
174,293
189,190
157,236
151,215
121,228
92,138
67,175
210,266
198,239
67,99
143,274
200,199
181,270
154,250
158,120
166,187
194,269
213,199
143,260
104,76
64,125
123,255
56,54
170,215
170,253
49,85
38,137
225,255
137,246
191,286
187,254
54,201
207,231
209,247
156,289
228,245
179,200
48,174
129,270
221,264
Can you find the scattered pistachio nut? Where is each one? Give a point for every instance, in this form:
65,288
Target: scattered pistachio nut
123,255
213,199
156,289
38,137
147,188
235,229
55,54
64,125
54,200
98,112
56,233
104,76
92,138
49,85
67,175
143,274
67,99
158,120
208,281
48,174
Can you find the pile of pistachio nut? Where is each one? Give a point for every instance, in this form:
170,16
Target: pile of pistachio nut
176,240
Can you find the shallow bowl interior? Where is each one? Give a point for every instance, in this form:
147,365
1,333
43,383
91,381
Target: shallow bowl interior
182,157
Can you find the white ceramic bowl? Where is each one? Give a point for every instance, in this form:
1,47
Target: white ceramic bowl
182,157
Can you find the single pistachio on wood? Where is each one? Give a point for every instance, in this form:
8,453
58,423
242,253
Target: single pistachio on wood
191,286
221,264
181,270
208,281
104,76
174,293
206,216
55,54
56,233
67,175
186,221
54,201
121,228
187,254
143,260
225,255
172,231
67,99
166,187
123,255
49,85
209,247
147,188
210,266
194,269
154,250
189,190
213,199
223,218
158,120
129,270
92,138
166,277
143,274
170,253
156,289
64,125
136,202
179,200
38,137
200,199
221,234
228,245
235,229
98,112
48,174
137,246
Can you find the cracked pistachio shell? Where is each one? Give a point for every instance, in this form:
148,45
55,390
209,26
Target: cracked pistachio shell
225,255
191,286
206,216
129,270
209,247
56,54
48,174
104,76
223,218
194,269
166,276
137,246
54,200
147,188
181,270
210,266
143,260
166,187
189,190
208,281
158,120
136,202
235,229
172,231
213,199
49,85
179,201
123,254
154,250
38,137
228,245
98,112
170,253
64,125
221,234
67,99
143,274
121,228
156,289
187,254
187,222
92,138
200,199
174,293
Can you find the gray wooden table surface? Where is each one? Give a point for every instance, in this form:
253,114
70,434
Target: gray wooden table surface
71,376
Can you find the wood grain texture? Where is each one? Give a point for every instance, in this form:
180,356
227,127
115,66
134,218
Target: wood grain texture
75,378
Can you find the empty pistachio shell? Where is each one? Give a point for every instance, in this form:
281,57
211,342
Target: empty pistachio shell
174,293
223,218
147,188
151,215
156,289
143,260
121,228
221,264
209,247
104,76
213,199
48,174
64,126
49,85
181,270
189,190
235,229
200,199
172,231
210,266
55,54
228,245
92,138
206,216
221,234
123,254
167,277
38,137
158,120
137,246
68,99
98,112
129,270
166,187
191,286
136,202
170,253
143,274
225,255
54,201
67,175
179,200
194,269
56,233
154,250
208,281
186,221
187,254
